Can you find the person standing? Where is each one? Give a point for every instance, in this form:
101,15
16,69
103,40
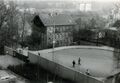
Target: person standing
87,72
79,61
38,53
73,63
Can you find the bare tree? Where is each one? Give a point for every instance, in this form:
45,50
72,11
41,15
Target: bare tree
114,13
24,25
8,24
4,12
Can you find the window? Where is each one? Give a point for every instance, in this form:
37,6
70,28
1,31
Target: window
56,30
50,29
60,36
66,28
61,29
66,34
56,36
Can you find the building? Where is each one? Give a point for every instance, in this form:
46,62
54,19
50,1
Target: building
58,28
85,7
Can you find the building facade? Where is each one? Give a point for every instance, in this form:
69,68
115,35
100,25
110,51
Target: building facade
61,35
59,30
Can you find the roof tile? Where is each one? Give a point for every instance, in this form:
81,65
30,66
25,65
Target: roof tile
61,19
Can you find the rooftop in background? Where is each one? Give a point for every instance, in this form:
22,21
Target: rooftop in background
58,19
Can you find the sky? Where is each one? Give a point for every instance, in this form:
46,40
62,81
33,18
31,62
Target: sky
72,0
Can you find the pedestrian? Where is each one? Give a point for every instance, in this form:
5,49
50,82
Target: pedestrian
79,60
38,53
87,72
73,63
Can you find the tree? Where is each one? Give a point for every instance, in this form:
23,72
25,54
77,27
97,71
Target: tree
13,22
38,31
22,22
91,21
114,14
7,24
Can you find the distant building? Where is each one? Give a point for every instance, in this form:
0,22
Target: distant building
58,28
113,28
27,10
113,31
85,7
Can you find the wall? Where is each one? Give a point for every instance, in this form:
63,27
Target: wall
78,47
62,35
9,50
63,71
110,80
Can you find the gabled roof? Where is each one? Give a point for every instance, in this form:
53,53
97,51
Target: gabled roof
37,21
61,19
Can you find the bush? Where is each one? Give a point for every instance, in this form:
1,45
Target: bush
1,49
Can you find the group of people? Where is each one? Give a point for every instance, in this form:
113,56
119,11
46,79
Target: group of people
79,63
